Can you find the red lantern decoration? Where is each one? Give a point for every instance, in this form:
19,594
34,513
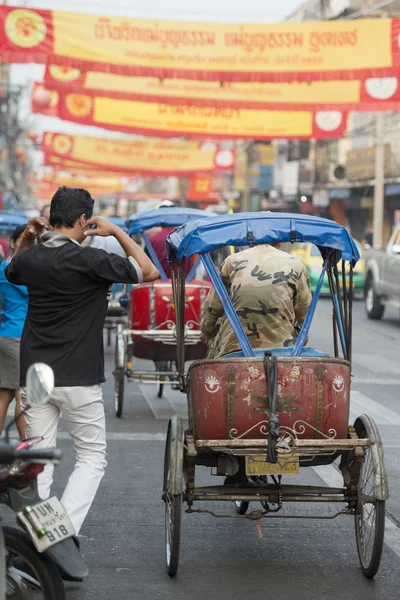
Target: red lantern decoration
33,136
41,98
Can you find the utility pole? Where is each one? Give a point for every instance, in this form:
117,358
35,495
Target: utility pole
246,204
379,193
379,196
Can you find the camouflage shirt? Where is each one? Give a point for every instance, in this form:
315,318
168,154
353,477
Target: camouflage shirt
270,291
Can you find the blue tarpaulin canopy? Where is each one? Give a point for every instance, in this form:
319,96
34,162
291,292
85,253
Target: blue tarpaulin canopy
119,221
9,221
164,217
246,229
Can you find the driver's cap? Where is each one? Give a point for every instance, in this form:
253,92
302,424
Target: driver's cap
165,204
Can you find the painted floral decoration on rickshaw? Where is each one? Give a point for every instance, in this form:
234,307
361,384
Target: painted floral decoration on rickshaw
286,404
211,384
254,372
338,383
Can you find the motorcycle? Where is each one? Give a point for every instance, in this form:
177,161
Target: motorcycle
45,551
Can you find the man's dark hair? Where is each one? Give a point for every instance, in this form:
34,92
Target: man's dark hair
68,204
17,232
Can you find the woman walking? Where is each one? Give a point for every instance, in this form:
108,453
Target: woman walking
14,306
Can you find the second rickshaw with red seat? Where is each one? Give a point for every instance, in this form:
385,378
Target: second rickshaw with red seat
151,333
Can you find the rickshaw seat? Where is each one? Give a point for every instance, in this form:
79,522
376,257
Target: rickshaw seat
277,352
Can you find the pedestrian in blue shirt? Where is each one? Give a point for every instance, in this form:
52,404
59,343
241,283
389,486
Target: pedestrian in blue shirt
14,306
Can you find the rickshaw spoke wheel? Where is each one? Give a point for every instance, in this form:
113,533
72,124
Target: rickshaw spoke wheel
370,520
173,492
119,372
119,391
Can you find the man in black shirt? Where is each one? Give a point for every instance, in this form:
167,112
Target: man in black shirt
68,287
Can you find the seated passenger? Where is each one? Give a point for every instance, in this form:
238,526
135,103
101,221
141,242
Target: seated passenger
158,241
270,292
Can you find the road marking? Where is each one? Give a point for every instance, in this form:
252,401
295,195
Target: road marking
174,402
170,404
362,381
362,404
376,363
124,436
332,477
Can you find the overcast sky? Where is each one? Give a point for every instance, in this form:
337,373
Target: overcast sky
199,10
190,10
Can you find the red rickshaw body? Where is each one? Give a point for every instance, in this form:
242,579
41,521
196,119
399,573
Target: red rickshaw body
152,305
228,398
153,309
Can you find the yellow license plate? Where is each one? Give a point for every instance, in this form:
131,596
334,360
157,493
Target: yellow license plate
286,465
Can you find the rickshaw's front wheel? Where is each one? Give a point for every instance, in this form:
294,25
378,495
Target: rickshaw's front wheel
119,371
119,391
370,514
162,365
173,492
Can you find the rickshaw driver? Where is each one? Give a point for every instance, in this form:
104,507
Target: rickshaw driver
270,291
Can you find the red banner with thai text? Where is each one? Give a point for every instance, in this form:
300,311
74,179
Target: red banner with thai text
199,122
367,94
288,51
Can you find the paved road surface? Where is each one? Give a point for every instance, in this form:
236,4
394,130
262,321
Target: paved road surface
224,559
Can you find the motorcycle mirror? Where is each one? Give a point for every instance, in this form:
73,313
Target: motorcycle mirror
39,384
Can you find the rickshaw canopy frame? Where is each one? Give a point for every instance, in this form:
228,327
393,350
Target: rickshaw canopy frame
163,217
202,237
250,229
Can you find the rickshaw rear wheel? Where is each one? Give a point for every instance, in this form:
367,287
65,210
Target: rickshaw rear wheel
370,517
173,492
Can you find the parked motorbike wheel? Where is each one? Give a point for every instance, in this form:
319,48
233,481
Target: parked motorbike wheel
36,573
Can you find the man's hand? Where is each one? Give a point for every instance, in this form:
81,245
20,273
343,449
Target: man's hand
35,228
102,227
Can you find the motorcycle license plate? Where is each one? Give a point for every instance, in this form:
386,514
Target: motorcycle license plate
286,465
47,523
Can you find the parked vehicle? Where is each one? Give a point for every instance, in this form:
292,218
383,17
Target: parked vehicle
44,552
311,257
382,277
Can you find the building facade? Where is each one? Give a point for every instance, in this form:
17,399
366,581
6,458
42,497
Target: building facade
336,178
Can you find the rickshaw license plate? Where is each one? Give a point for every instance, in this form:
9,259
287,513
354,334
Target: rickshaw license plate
286,465
47,523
